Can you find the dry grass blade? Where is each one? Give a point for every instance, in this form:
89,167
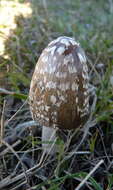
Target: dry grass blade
89,175
18,186
79,152
10,180
2,153
2,123
27,124
16,112
13,151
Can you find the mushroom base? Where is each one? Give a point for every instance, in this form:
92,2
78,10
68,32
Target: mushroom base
49,140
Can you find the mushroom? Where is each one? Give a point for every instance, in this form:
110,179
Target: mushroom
58,96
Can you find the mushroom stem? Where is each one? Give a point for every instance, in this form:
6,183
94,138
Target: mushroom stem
48,140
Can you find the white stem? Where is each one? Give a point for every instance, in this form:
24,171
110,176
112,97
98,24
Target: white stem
49,139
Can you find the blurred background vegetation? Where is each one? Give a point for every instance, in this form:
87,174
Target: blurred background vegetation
26,27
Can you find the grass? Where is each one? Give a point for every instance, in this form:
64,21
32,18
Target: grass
90,22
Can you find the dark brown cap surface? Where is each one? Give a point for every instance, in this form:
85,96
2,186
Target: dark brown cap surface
59,87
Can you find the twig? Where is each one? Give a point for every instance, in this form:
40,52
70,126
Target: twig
79,152
4,91
2,123
89,175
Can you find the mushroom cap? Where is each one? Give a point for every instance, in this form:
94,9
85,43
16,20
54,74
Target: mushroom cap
59,87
